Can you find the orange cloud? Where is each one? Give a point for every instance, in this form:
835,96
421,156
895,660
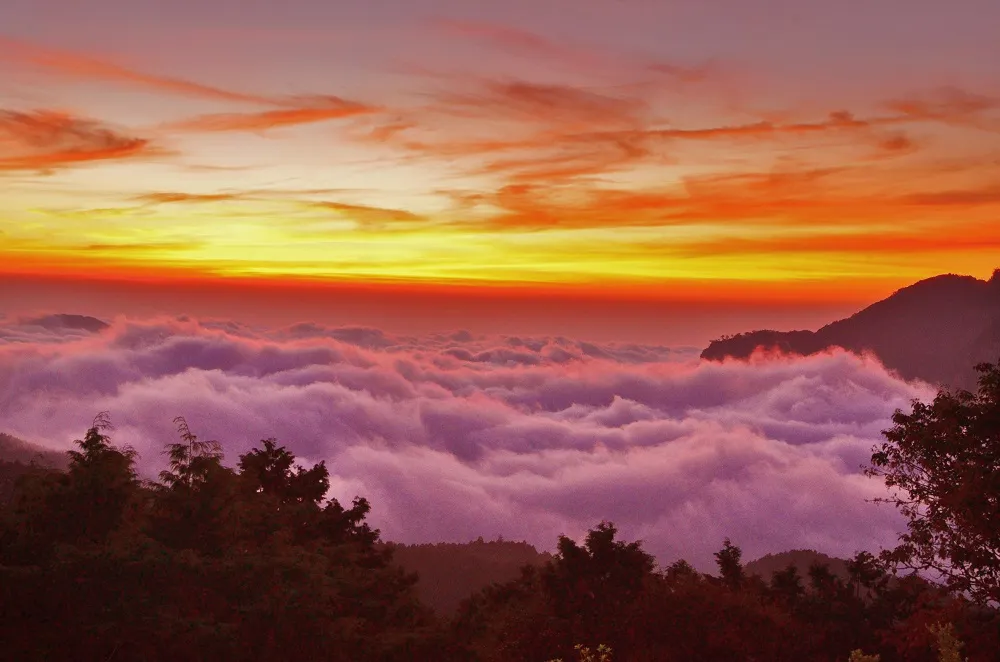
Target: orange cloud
987,195
172,197
80,66
532,132
827,198
143,247
895,144
531,45
43,140
975,238
950,105
290,110
324,109
835,121
367,216
544,104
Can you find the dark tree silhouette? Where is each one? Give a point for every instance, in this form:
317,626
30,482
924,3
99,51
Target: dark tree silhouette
271,470
730,565
190,458
942,464
787,584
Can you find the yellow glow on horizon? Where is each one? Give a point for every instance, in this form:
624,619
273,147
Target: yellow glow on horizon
497,181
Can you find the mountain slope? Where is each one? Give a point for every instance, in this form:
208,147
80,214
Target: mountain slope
935,330
66,321
451,572
767,565
18,458
13,449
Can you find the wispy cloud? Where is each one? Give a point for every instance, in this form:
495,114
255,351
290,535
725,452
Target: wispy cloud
119,248
951,105
538,103
44,140
164,197
891,243
367,216
310,110
286,110
76,65
581,58
986,195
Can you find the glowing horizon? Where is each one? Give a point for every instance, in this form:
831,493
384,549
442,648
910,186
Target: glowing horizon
717,152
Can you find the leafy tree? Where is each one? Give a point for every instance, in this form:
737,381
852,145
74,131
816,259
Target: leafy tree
787,584
865,573
190,458
949,647
271,470
730,564
681,570
942,463
95,565
601,654
84,505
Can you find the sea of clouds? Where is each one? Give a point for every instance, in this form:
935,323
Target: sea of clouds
454,436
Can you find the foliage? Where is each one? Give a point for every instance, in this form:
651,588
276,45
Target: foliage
602,654
209,563
949,647
942,462
730,565
191,458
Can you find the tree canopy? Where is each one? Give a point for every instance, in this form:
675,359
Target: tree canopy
942,463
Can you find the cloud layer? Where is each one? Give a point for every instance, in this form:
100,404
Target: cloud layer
452,436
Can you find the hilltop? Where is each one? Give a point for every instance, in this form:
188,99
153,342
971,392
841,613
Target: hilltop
934,330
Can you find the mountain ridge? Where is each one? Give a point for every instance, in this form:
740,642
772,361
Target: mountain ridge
934,330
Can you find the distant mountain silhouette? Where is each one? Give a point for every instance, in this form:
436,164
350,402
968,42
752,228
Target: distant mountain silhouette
935,330
65,321
13,449
451,572
767,565
18,457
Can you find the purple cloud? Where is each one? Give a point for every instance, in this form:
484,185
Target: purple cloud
452,436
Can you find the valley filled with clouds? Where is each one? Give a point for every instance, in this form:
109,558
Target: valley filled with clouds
454,436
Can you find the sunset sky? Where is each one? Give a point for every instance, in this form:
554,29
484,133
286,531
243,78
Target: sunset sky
470,252
771,152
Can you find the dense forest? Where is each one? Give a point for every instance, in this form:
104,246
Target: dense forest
255,562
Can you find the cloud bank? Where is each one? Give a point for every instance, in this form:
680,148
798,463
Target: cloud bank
452,436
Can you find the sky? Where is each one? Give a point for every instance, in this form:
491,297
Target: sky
796,159
468,252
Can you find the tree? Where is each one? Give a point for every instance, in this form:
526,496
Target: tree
96,565
190,458
271,470
603,571
949,647
730,565
941,463
84,505
866,572
787,584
